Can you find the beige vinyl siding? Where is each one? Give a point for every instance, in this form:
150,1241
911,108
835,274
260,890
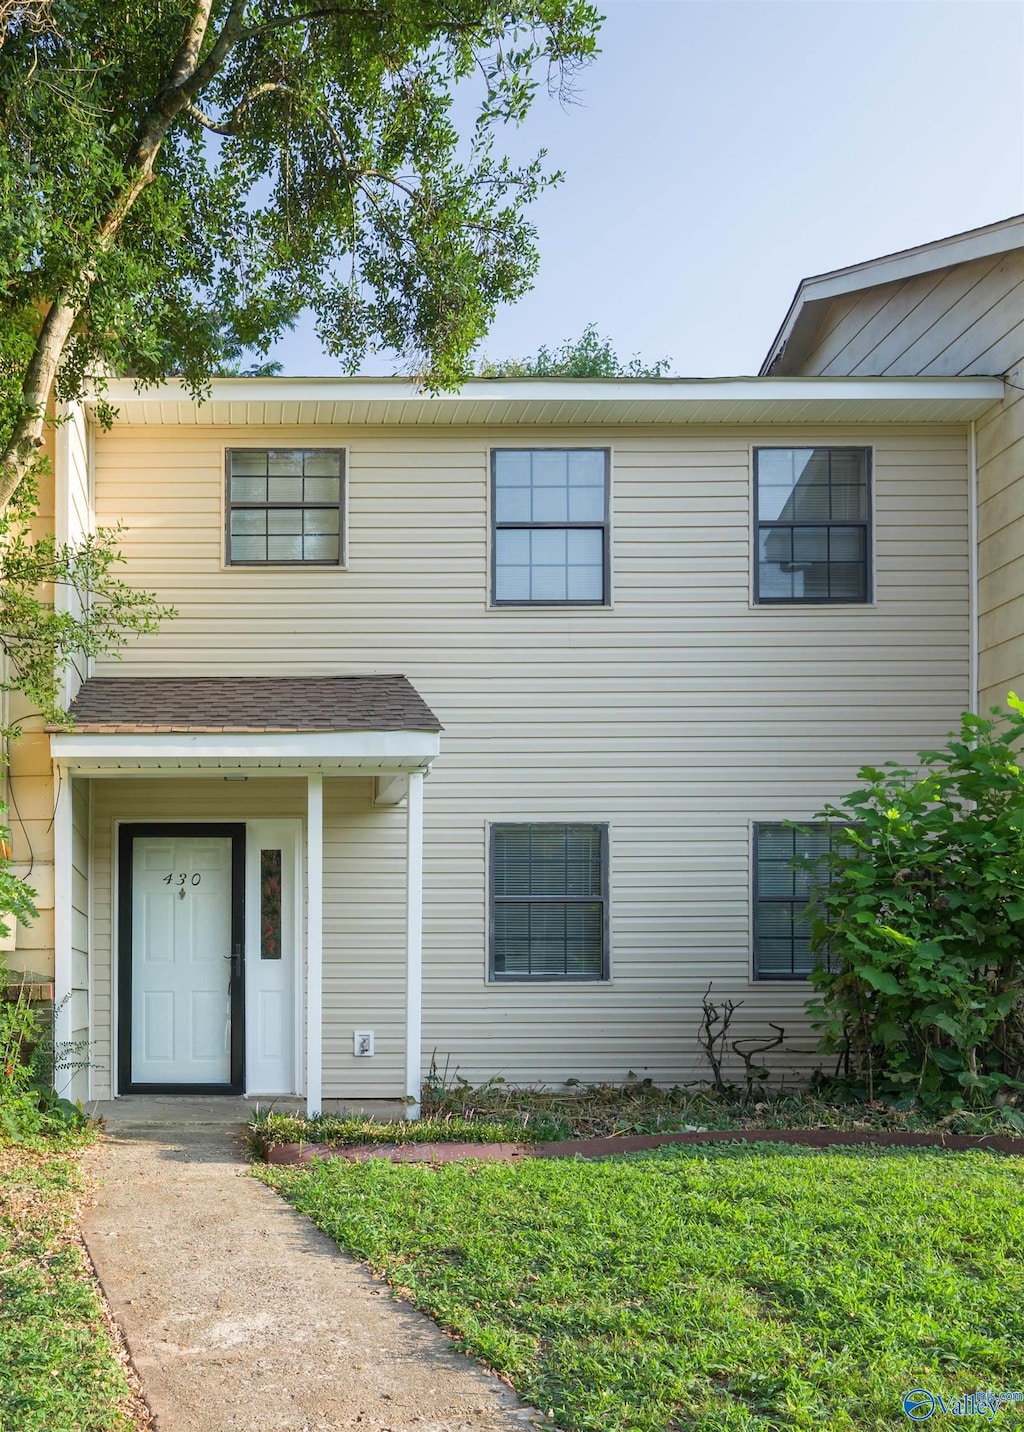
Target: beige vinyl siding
678,715
1000,440
968,319
73,518
364,941
81,820
29,785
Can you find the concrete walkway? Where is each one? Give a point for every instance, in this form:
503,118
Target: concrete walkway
240,1315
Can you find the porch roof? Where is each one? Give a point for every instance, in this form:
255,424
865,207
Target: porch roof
370,723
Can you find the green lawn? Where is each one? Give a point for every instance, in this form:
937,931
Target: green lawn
58,1370
723,1287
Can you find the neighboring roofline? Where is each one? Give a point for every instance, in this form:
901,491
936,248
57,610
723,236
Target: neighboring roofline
487,401
985,242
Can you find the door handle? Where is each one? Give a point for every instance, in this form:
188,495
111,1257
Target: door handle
236,962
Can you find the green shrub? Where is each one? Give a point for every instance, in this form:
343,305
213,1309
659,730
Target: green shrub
922,919
29,1105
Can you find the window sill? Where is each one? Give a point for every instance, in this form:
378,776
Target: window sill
550,607
326,568
812,606
546,981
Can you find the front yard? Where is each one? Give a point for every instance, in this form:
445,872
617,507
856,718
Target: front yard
719,1287
59,1371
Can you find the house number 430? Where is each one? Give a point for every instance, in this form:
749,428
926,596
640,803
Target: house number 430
181,879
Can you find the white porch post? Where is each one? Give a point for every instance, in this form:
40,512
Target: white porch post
314,941
414,941
63,877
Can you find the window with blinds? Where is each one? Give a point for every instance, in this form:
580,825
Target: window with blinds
549,902
284,507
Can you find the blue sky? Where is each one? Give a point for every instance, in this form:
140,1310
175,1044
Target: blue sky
723,149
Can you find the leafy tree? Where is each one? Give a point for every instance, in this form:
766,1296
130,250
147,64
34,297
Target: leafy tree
589,356
922,917
179,179
170,171
39,640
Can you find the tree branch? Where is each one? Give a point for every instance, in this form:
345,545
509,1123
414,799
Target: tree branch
56,328
325,12
233,125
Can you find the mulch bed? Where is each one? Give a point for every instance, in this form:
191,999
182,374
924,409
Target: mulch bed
436,1153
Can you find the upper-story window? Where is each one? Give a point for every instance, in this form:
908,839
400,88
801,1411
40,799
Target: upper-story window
284,506
812,522
550,526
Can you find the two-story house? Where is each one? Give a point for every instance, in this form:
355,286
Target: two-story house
474,733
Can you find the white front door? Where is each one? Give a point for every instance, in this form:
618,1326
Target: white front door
273,937
181,969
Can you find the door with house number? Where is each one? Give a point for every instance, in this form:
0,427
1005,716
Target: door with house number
182,976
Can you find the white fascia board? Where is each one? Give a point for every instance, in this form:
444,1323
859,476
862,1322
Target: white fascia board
893,268
68,748
682,391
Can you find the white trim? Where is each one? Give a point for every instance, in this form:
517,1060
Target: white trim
300,963
314,941
390,790
215,768
115,953
973,629
396,747
90,902
981,243
568,402
414,942
63,881
262,833
366,390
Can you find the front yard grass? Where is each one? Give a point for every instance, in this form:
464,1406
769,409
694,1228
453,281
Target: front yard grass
717,1287
59,1371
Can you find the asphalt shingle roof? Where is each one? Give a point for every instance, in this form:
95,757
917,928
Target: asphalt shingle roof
121,704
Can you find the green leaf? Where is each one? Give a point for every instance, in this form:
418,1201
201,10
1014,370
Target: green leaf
880,980
945,1022
946,1059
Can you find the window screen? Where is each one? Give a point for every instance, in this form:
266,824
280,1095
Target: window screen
550,526
549,902
813,524
782,927
284,506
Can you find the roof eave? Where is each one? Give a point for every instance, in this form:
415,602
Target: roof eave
398,402
366,752
984,242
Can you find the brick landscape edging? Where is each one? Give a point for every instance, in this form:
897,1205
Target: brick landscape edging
287,1154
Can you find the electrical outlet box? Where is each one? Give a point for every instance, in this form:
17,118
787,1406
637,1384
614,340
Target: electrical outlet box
362,1043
